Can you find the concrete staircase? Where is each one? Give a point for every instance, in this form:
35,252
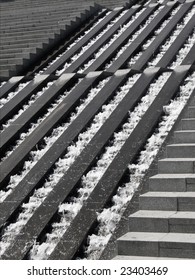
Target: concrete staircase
164,227
28,27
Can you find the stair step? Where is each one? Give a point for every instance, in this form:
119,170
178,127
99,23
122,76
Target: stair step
192,102
157,244
176,165
123,257
187,136
162,221
172,182
181,150
12,61
191,111
188,124
7,67
168,201
4,73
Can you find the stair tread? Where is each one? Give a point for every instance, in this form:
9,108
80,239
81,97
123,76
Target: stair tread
188,119
173,176
159,237
182,145
177,159
168,194
163,214
185,131
124,257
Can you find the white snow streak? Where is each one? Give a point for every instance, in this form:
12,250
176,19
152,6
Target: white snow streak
3,101
184,51
2,83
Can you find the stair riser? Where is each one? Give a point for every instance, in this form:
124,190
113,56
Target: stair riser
137,248
184,137
161,225
177,253
180,152
191,112
188,124
192,102
165,167
167,203
156,249
171,185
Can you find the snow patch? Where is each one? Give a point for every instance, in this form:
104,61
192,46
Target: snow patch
3,101
183,52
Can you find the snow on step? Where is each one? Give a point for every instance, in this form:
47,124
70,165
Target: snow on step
157,244
176,165
5,100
